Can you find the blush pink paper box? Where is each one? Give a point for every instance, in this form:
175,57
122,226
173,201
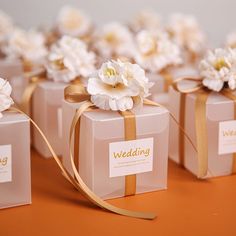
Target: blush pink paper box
100,131
15,180
12,70
219,109
47,113
158,93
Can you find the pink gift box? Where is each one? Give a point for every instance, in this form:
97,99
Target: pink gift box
158,93
47,113
101,133
219,109
12,71
15,180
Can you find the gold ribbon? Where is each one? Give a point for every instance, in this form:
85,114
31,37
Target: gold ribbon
202,94
130,134
168,79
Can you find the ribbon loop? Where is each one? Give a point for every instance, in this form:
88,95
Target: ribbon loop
76,93
196,80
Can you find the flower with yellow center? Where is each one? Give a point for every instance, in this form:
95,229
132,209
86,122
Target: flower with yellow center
155,51
145,20
73,22
114,40
231,40
218,69
6,26
27,45
5,95
68,59
118,86
186,32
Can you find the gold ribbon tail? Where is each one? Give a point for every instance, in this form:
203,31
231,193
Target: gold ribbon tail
182,124
64,171
201,132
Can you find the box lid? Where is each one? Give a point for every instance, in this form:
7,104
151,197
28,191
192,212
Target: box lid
12,117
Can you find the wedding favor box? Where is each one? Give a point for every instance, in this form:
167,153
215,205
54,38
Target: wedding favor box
219,121
105,159
162,82
47,113
159,90
15,180
12,70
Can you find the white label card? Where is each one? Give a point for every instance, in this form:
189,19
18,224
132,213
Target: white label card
5,163
227,137
130,157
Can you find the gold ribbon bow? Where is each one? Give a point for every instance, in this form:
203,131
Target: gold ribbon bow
202,94
78,94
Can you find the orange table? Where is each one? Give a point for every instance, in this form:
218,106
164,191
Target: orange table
189,207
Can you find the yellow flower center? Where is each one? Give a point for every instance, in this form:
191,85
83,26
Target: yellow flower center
59,64
233,45
111,38
73,21
152,49
220,63
110,72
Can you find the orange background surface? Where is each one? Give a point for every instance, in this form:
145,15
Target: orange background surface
189,207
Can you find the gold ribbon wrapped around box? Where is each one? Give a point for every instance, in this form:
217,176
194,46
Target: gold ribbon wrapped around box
202,94
168,80
78,94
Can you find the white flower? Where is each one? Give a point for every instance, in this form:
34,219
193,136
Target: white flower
145,20
118,86
186,32
6,26
218,69
114,40
73,22
5,95
231,40
68,59
155,51
27,45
